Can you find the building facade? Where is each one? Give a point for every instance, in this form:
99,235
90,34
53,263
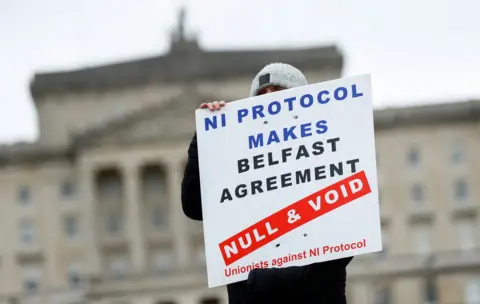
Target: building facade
428,168
91,212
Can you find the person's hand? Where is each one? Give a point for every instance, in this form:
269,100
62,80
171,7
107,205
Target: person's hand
212,106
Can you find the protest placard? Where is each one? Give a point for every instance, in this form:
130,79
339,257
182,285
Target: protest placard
289,179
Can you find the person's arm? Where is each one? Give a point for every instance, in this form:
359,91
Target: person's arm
191,197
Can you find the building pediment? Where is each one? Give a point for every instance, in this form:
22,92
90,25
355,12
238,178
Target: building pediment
173,120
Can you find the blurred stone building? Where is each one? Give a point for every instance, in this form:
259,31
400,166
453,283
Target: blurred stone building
91,212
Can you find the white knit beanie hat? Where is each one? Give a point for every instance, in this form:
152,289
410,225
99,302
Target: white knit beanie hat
277,74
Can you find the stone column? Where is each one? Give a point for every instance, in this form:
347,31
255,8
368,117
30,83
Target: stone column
134,217
224,295
188,299
90,225
177,219
361,291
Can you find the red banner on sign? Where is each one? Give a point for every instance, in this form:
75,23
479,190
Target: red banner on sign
294,216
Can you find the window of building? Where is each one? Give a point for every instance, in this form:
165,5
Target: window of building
158,217
430,291
114,223
67,189
457,155
383,295
118,267
460,190
24,195
74,280
31,285
413,157
31,278
422,238
153,182
109,183
162,261
71,226
417,194
200,255
27,231
466,234
472,291
73,276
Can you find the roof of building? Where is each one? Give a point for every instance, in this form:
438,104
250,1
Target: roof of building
26,153
184,62
440,113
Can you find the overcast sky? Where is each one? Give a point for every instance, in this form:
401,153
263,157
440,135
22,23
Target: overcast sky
418,51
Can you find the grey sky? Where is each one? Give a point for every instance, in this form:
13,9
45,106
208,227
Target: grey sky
417,51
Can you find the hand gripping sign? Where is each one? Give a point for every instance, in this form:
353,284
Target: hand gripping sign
289,179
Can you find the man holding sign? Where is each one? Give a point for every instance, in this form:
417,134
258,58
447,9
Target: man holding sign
322,282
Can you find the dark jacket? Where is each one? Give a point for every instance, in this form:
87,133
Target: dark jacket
322,283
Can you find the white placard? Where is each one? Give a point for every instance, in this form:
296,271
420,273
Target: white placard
289,179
